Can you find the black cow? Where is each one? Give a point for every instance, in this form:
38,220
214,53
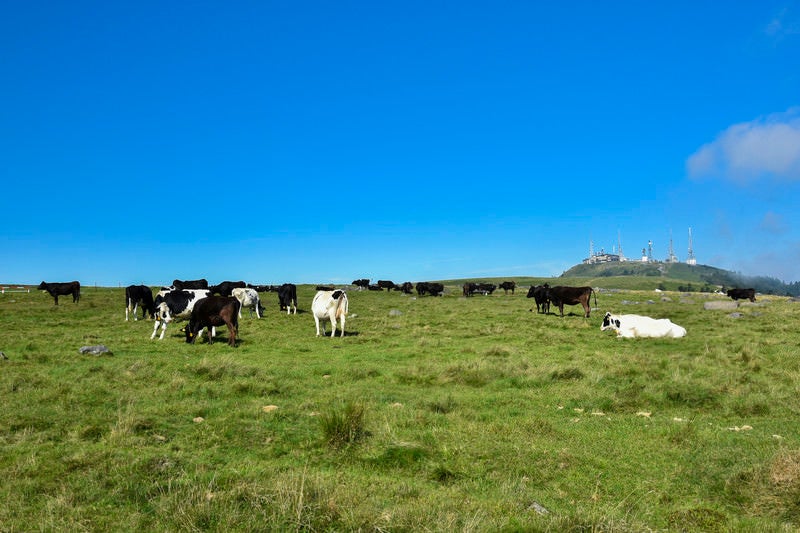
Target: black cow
469,288
211,312
406,287
361,283
384,284
508,286
426,287
175,305
261,288
561,296
225,288
374,287
539,293
62,289
190,284
486,288
326,288
742,294
287,297
139,294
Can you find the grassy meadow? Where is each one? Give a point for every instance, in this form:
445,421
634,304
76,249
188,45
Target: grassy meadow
432,414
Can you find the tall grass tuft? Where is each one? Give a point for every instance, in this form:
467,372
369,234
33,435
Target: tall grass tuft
344,426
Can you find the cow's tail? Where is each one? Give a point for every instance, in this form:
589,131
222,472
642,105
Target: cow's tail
595,298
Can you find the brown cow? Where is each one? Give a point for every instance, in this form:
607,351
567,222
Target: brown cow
211,312
561,296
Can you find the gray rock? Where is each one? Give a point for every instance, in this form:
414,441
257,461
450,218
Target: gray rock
95,350
395,312
717,305
736,315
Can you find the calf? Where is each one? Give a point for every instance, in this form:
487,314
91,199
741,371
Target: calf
330,306
62,289
175,305
742,294
287,298
248,298
225,288
630,326
139,294
214,311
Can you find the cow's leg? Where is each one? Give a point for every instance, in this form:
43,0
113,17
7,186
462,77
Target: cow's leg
316,322
55,297
135,310
258,308
341,324
127,309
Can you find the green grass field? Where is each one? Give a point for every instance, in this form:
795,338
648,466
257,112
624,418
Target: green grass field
432,414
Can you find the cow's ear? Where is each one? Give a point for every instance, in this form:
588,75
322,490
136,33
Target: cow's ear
616,322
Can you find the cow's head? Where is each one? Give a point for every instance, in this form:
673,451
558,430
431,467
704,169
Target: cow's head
42,286
610,322
162,313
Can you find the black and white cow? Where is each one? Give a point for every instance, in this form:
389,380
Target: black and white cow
631,326
225,288
62,289
248,298
211,312
330,306
287,298
139,294
361,283
175,305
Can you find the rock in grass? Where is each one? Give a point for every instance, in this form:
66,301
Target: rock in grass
95,350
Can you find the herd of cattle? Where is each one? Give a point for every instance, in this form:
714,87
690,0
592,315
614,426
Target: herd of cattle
208,307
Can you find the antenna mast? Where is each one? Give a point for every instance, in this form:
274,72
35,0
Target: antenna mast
690,260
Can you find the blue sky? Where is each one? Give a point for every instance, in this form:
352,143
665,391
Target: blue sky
318,142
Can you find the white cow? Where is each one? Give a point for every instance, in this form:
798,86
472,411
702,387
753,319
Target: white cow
630,326
330,305
248,298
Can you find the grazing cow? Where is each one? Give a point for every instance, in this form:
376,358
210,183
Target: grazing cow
630,326
742,294
361,283
469,288
427,287
539,293
62,289
189,284
175,305
330,306
374,288
561,296
248,298
508,286
139,294
486,288
385,284
225,288
287,298
211,312
406,287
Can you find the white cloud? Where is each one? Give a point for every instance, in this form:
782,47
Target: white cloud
763,148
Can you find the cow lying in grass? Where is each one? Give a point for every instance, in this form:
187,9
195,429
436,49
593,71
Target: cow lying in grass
630,326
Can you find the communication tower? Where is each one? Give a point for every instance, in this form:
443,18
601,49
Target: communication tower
650,251
672,257
690,259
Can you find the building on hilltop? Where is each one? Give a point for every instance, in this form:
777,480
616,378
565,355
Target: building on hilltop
647,253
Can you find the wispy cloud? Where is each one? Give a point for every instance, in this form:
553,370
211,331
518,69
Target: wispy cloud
784,24
767,147
773,223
